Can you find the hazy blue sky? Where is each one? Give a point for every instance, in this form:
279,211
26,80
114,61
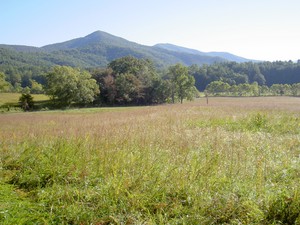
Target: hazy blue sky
257,29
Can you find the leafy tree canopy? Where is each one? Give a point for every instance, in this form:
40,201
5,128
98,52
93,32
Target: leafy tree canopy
26,102
128,80
66,85
182,83
4,85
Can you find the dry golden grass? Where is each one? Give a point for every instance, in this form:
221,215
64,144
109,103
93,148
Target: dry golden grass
39,124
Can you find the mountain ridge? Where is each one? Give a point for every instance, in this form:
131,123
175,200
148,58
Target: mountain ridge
97,49
226,55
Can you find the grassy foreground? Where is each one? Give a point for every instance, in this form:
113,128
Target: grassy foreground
233,161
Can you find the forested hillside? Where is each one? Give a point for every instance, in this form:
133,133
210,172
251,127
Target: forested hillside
224,55
264,73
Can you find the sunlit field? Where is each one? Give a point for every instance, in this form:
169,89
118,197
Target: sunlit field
9,102
13,98
231,161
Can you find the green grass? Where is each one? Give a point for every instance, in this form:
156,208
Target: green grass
13,98
9,102
229,162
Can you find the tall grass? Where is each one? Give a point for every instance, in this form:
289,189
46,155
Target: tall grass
234,161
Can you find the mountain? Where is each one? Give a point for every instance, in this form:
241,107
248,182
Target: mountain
99,48
112,47
223,55
21,48
94,39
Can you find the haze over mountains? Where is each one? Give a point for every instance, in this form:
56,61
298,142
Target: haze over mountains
99,48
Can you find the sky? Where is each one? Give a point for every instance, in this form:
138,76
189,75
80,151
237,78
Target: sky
255,29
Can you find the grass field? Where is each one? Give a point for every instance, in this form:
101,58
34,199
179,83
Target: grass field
233,161
9,102
13,98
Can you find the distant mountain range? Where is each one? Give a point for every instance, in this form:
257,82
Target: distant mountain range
224,55
99,48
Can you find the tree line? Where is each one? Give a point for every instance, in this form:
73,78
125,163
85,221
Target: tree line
132,81
221,88
264,73
125,81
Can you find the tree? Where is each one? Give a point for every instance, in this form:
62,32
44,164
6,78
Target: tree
127,80
281,89
127,64
4,85
106,81
182,84
13,76
255,74
296,87
26,102
186,88
109,86
254,89
244,89
161,90
66,85
36,88
264,90
145,73
128,88
217,87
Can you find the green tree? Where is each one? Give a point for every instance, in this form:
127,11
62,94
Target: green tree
4,85
218,88
161,90
128,88
66,85
254,89
106,81
36,88
109,86
296,87
255,74
128,80
244,89
234,90
264,90
26,102
186,88
26,90
14,77
182,84
279,89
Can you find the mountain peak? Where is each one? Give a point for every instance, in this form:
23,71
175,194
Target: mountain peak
95,38
98,35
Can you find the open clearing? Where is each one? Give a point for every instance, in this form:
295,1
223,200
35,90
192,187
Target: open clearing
233,161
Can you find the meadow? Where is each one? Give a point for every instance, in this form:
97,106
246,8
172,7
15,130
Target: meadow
231,161
10,101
